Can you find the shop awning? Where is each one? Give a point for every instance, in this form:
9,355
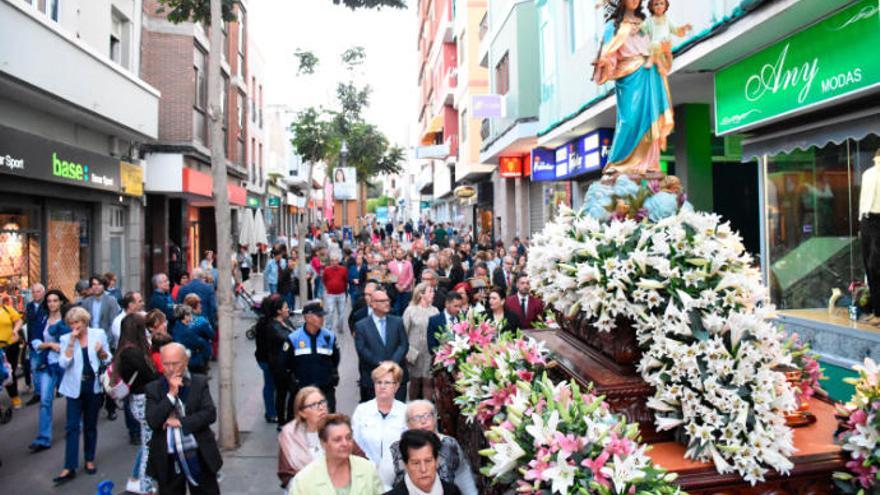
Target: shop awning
835,130
433,127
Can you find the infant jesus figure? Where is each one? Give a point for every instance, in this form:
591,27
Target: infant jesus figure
661,30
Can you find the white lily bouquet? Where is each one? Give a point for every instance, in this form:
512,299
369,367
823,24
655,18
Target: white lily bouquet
701,316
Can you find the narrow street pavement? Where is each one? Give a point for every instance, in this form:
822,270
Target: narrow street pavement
248,470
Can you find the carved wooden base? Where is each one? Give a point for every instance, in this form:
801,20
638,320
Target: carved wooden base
623,389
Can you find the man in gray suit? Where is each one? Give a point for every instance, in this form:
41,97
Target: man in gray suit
103,308
380,337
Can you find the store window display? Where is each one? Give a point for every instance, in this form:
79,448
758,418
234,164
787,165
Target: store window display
869,228
19,255
813,221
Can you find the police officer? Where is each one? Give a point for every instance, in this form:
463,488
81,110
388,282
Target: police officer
311,355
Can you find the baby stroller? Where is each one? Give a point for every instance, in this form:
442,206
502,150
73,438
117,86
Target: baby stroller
252,304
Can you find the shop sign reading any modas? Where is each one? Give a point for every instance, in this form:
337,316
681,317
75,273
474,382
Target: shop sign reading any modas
834,58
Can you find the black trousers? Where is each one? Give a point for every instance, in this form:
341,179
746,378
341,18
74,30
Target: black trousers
283,398
177,485
12,355
869,227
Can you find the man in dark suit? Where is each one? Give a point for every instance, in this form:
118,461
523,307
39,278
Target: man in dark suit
182,404
528,308
380,337
442,322
361,308
502,277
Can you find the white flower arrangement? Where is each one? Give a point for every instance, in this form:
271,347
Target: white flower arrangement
701,317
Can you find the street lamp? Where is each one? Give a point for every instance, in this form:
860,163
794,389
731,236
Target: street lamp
343,155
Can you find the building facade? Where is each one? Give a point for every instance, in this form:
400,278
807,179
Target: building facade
437,116
782,162
179,183
509,50
74,118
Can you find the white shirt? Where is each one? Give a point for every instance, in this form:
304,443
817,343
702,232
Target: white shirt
375,434
412,489
116,328
869,198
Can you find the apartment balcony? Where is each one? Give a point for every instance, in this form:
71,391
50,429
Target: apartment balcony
70,78
445,31
449,84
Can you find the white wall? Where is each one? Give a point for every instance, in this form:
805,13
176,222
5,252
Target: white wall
49,56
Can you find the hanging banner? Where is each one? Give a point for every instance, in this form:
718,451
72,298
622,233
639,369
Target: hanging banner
487,106
345,183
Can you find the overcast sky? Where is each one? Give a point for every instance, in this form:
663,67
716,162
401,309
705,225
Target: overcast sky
279,27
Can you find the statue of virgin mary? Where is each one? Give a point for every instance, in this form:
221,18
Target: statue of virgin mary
644,107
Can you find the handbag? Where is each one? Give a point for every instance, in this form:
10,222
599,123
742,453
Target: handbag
118,390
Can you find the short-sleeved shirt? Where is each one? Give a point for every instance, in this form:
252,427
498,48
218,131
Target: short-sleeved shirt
8,317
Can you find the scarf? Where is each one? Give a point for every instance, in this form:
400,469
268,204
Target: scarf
183,448
412,489
295,445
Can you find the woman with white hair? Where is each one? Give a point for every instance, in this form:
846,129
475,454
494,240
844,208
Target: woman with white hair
452,463
83,351
378,423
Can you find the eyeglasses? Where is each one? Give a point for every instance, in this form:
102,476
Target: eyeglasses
386,383
316,405
380,300
421,417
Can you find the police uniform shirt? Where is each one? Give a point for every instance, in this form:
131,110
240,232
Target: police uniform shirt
312,359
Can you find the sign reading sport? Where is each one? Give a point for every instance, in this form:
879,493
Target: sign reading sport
831,59
27,155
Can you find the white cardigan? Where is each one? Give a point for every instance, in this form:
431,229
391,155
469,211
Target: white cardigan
73,367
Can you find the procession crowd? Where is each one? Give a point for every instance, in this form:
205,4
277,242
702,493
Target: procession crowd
393,289
404,287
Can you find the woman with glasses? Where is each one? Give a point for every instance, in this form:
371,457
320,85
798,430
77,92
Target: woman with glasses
337,471
298,442
452,463
379,422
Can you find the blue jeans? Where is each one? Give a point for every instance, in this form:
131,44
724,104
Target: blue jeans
268,390
319,288
82,413
48,379
273,288
291,300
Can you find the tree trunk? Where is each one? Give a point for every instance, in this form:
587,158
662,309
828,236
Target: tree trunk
301,246
222,215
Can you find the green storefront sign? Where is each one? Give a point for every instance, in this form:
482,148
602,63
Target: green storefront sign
273,202
833,58
253,202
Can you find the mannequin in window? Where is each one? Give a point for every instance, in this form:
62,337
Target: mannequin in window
869,227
